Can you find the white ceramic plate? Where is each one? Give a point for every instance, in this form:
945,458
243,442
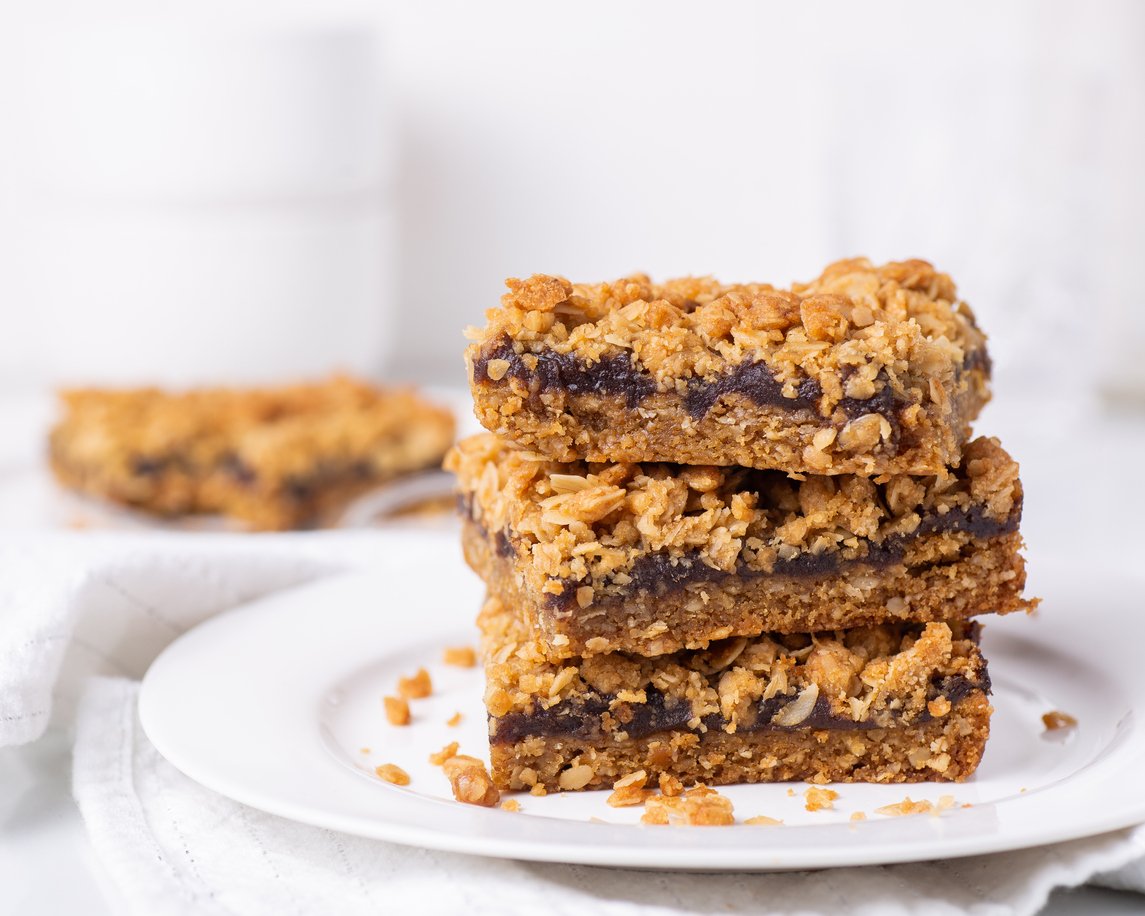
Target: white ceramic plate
278,705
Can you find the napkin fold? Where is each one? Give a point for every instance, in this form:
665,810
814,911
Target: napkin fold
86,616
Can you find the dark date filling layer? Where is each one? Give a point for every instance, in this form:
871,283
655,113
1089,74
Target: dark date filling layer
298,488
617,376
661,574
582,719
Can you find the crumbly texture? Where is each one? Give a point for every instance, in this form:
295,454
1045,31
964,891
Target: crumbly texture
274,458
470,781
701,806
652,558
881,755
555,723
866,369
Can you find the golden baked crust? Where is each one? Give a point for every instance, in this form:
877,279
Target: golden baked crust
940,577
275,458
879,676
654,557
755,694
867,369
882,755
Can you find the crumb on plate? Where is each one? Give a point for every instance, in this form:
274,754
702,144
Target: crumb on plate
392,774
820,799
450,750
460,656
416,687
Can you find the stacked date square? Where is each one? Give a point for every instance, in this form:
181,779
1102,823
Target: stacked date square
734,533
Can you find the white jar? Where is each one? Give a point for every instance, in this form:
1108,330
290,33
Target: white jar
205,206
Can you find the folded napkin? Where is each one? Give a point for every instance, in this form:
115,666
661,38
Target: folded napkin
75,610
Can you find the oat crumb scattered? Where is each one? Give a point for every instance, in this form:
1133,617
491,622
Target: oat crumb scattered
538,790
453,720
698,807
470,781
416,687
629,790
364,750
790,792
819,799
397,710
859,816
450,750
510,804
460,656
393,774
670,785
762,820
906,807
1055,719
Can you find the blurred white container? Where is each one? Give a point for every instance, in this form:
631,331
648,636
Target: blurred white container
204,205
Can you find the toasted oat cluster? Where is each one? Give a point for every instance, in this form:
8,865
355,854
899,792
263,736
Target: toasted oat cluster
854,316
577,526
876,676
868,369
273,457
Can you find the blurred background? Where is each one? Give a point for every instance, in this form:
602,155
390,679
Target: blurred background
252,191
243,190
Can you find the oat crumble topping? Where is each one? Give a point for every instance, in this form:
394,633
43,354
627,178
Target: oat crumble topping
881,674
868,324
582,526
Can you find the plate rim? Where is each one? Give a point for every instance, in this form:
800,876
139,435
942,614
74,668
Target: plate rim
602,847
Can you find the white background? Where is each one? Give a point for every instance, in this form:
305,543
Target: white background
752,141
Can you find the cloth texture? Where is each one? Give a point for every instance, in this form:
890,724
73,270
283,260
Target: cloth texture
79,623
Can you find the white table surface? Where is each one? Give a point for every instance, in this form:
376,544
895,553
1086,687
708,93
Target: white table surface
47,865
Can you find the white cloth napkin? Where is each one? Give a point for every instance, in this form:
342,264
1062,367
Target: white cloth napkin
71,608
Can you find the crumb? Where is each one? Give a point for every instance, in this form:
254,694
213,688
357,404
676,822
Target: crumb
906,807
629,790
763,820
510,804
460,656
453,720
417,687
699,807
1056,719
944,802
538,790
939,707
393,774
450,750
819,799
966,805
790,792
364,750
397,710
1023,789
470,781
670,785
858,816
